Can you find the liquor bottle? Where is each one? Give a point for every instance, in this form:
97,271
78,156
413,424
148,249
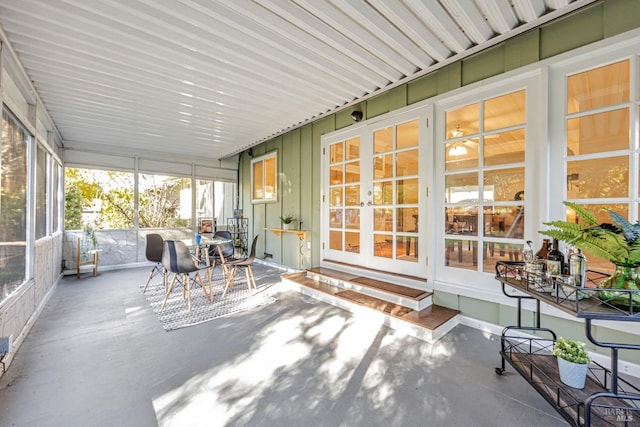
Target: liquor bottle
555,260
544,249
578,268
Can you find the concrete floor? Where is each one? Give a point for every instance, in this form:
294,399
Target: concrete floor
97,356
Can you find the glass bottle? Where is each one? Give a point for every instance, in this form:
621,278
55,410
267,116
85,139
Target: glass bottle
555,260
578,268
544,249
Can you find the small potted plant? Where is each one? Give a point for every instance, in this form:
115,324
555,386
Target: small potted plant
573,361
287,221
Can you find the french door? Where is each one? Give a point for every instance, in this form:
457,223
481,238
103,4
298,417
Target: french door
374,194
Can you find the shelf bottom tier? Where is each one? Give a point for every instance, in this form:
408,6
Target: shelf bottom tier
541,371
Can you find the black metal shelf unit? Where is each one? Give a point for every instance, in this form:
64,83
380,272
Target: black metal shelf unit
607,399
239,229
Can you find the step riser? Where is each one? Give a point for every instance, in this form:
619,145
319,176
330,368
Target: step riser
394,299
394,323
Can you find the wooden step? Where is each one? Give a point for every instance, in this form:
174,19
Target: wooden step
413,298
428,324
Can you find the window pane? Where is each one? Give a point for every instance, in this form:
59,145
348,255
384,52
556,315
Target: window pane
407,135
461,154
462,188
383,193
464,119
504,148
383,166
383,140
598,178
13,205
353,241
204,199
56,199
407,191
407,163
598,133
336,153
383,219
270,175
503,184
258,183
353,148
494,252
504,111
407,220
164,201
599,87
41,192
504,221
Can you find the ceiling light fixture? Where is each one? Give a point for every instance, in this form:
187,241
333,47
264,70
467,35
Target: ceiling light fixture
457,148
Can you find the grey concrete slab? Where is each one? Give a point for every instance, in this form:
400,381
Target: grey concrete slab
97,356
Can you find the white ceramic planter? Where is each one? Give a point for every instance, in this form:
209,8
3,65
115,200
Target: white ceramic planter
572,374
287,226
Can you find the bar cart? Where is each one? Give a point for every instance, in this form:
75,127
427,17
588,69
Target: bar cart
607,399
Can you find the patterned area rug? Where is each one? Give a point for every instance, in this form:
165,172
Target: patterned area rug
176,312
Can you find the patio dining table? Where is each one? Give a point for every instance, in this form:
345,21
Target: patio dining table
203,247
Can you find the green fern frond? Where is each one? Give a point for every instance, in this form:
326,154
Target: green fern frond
587,216
629,231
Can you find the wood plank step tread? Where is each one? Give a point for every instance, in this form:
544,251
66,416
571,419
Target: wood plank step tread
398,290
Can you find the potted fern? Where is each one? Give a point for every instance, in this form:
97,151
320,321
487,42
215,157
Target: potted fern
287,221
573,361
618,242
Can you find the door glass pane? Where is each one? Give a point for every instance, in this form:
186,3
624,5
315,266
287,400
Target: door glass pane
335,196
494,252
383,166
504,148
407,163
352,195
352,241
504,221
383,193
407,220
462,188
335,218
504,111
461,154
352,219
335,240
503,184
352,173
598,178
383,245
598,133
407,248
335,174
383,219
461,254
335,152
353,148
462,220
464,119
407,135
383,140
599,87
407,191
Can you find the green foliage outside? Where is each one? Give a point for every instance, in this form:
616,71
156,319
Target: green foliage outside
105,200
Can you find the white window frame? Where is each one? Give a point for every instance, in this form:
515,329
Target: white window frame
262,159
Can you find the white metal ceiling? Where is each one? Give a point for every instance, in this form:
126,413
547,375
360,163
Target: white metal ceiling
209,78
